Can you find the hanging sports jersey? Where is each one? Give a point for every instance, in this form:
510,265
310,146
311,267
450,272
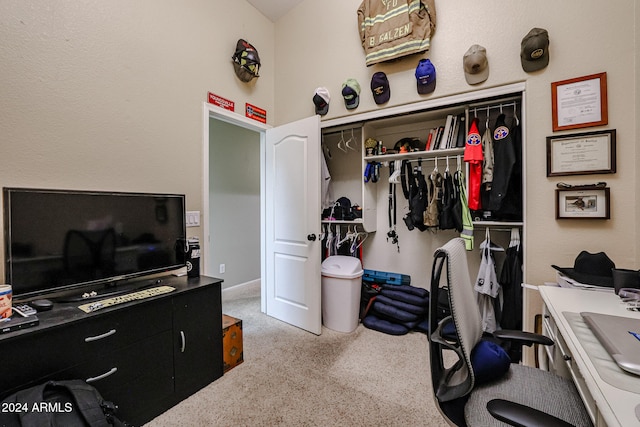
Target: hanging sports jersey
473,156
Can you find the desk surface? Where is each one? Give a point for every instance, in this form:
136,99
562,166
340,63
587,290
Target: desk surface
616,406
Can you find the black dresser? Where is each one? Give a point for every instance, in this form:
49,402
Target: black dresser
145,355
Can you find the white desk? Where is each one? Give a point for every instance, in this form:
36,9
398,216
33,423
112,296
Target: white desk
608,405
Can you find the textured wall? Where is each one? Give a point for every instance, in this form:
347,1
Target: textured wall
108,95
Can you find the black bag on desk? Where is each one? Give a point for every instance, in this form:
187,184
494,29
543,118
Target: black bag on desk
58,403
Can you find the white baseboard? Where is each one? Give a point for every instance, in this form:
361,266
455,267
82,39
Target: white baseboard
234,291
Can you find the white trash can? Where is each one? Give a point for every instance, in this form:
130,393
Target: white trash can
341,287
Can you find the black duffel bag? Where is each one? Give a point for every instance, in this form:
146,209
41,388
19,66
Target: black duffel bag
71,403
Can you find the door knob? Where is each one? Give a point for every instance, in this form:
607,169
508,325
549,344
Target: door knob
311,237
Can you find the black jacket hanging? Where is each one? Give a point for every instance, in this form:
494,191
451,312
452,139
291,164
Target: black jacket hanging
511,208
457,205
416,190
449,192
504,160
511,279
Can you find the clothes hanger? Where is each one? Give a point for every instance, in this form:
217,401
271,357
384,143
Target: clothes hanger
394,178
515,238
487,123
352,139
488,244
357,242
341,143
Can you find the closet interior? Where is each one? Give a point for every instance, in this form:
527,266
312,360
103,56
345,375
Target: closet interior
362,155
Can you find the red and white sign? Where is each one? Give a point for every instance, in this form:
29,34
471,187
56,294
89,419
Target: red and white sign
221,102
256,113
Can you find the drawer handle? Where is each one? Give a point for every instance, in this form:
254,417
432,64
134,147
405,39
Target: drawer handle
184,342
99,337
100,377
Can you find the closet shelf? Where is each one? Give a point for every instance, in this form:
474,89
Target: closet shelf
414,155
341,221
498,223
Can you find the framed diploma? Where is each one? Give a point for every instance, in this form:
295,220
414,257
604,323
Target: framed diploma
583,202
580,102
582,154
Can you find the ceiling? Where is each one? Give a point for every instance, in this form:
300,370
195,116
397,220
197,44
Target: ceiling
274,9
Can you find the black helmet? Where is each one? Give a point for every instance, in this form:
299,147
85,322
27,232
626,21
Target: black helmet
246,61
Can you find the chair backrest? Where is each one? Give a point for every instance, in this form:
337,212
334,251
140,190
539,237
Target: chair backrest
457,379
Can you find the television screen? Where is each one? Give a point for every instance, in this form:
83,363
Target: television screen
58,239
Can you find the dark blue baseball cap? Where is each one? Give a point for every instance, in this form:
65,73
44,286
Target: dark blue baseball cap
380,88
425,76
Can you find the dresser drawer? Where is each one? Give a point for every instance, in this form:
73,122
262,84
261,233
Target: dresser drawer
30,358
119,328
133,377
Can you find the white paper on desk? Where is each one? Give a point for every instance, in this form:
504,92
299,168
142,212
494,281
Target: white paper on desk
566,282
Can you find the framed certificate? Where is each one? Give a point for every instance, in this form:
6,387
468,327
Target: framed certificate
580,102
582,154
585,202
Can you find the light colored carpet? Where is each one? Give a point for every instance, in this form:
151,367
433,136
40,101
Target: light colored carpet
294,378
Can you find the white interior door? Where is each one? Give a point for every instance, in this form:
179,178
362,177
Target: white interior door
292,224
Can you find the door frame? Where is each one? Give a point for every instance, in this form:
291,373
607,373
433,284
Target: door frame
210,111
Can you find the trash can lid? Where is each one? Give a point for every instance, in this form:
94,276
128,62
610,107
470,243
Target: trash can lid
342,266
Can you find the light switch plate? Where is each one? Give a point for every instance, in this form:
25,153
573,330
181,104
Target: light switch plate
193,218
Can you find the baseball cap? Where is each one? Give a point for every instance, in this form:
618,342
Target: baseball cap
321,100
425,76
351,93
380,88
476,66
534,53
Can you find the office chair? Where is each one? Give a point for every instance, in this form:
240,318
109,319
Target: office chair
523,396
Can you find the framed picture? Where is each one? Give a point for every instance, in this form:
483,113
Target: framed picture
586,202
580,102
582,154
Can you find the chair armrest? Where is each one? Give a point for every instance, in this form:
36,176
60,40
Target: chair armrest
526,338
519,415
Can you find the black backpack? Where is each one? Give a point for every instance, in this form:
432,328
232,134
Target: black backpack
59,403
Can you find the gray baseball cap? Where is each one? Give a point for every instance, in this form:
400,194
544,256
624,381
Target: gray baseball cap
476,65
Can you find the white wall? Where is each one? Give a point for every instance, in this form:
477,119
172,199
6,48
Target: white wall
108,95
587,37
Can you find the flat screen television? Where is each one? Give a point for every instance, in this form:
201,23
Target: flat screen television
56,240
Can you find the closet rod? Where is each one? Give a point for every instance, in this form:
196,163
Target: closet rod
336,130
431,158
493,107
495,103
480,225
